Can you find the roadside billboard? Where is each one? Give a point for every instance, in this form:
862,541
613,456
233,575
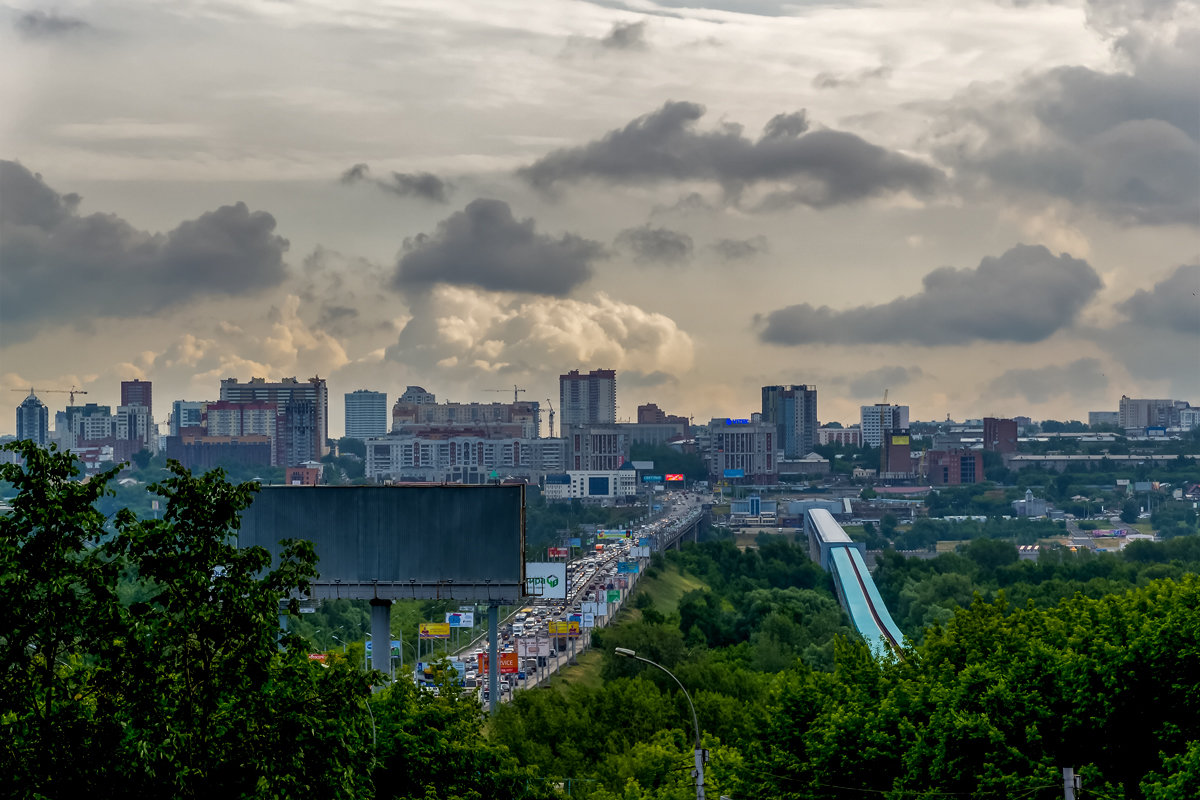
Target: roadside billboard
652,479
639,552
508,663
547,579
673,476
574,542
434,630
558,552
562,627
627,566
619,534
589,620
735,473
614,595
460,619
645,541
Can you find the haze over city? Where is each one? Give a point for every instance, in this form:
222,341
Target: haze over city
987,209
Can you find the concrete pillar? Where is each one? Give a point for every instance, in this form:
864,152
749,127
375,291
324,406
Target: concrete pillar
381,636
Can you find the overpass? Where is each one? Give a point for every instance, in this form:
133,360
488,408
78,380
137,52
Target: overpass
830,547
671,531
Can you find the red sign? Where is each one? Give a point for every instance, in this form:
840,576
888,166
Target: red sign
673,476
559,552
317,657
508,664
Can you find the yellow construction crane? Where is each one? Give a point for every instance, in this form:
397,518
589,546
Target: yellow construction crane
72,392
515,390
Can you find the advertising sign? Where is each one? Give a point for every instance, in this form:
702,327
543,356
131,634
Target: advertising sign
645,541
318,657
589,620
559,627
627,566
460,619
652,479
508,664
574,542
434,630
639,552
735,473
729,421
395,648
623,583
547,579
558,552
614,534
575,618
594,608
673,476
614,595
899,440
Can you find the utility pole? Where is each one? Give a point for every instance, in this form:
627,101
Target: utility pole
1071,783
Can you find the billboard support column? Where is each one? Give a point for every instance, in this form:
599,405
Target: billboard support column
493,658
381,636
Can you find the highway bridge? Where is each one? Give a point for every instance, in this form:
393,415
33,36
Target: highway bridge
830,547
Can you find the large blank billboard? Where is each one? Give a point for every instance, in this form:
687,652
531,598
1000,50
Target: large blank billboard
398,542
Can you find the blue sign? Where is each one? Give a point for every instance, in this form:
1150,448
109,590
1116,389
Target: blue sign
652,479
627,566
736,421
520,676
735,473
645,541
576,618
574,542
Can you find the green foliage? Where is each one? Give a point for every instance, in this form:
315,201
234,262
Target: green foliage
1129,511
173,685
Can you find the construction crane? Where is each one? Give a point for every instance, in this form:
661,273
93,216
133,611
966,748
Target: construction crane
551,407
72,392
883,434
515,390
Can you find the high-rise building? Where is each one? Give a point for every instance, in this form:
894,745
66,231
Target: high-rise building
793,412
954,467
1000,435
1104,418
876,419
304,410
366,414
587,399
133,424
33,420
137,393
417,396
740,450
187,414
1144,413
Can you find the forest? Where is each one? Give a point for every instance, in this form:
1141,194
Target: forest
142,656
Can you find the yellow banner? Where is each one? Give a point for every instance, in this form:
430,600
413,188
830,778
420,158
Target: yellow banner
435,630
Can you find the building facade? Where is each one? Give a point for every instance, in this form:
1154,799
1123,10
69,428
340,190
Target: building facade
793,412
1104,418
186,414
851,437
137,393
740,451
366,414
1137,413
587,399
592,485
954,467
596,448
304,410
526,414
1000,435
454,456
875,419
33,420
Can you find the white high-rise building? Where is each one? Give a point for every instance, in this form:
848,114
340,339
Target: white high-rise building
366,414
874,420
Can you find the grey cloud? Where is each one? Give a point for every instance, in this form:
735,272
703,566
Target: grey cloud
1025,295
656,245
58,265
1082,378
1173,303
485,246
824,167
874,382
633,379
740,249
850,80
43,25
625,36
1126,145
422,185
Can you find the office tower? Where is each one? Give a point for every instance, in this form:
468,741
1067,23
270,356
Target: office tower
588,399
793,412
366,414
304,410
33,420
876,419
137,393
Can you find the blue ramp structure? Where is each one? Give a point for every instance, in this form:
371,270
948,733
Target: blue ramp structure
830,547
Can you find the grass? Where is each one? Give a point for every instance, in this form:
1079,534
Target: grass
667,587
585,673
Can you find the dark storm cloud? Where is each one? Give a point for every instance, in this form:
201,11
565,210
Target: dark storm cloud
656,245
1081,378
625,36
1124,144
1024,295
821,167
59,266
485,246
43,25
850,80
633,379
422,185
740,249
874,382
1173,303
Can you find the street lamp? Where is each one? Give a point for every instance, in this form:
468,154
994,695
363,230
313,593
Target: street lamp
698,772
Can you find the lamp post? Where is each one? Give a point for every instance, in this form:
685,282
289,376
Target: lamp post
698,772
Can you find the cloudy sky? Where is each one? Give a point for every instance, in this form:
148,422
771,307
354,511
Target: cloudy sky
981,206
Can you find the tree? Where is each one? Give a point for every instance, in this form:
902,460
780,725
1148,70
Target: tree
144,656
1129,511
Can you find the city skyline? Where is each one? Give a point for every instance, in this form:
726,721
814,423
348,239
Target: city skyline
989,213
